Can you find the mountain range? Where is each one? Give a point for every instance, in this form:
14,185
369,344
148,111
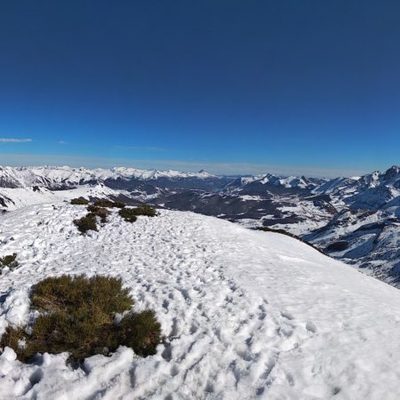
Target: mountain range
355,219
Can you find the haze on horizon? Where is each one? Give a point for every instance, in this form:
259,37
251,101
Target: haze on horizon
232,87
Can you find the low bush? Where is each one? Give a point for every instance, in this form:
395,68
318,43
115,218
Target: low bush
79,201
9,261
108,203
86,223
119,204
130,214
99,211
77,315
146,210
141,332
69,292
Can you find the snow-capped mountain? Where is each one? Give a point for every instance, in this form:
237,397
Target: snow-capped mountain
273,183
324,212
370,191
246,314
67,177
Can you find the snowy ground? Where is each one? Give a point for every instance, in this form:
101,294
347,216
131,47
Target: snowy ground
249,315
16,198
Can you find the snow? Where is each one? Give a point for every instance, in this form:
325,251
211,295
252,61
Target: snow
287,182
309,217
16,198
247,197
61,176
246,314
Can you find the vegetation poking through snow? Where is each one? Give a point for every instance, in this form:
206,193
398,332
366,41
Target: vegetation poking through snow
86,223
146,210
77,315
9,261
97,209
128,214
119,204
80,201
101,212
108,203
141,332
131,214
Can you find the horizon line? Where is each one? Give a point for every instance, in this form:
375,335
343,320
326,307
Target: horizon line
214,168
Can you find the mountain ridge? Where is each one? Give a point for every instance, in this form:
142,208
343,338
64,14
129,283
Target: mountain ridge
353,219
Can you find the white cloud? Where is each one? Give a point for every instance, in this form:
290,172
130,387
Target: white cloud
15,140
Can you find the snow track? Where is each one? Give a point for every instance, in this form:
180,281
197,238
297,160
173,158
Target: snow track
247,315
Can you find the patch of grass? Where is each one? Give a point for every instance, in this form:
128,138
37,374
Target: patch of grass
131,214
99,211
77,315
79,201
9,261
86,223
108,203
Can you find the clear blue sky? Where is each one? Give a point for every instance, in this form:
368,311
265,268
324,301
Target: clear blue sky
228,85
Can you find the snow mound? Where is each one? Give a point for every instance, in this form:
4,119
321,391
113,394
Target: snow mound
246,314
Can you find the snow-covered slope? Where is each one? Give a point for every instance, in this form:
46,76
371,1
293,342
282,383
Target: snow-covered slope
324,212
15,198
247,315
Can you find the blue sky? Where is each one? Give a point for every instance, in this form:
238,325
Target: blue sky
230,86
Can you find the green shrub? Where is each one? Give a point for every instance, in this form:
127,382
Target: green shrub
99,211
141,332
130,214
86,223
77,315
68,292
108,203
119,204
146,210
13,337
80,201
9,261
